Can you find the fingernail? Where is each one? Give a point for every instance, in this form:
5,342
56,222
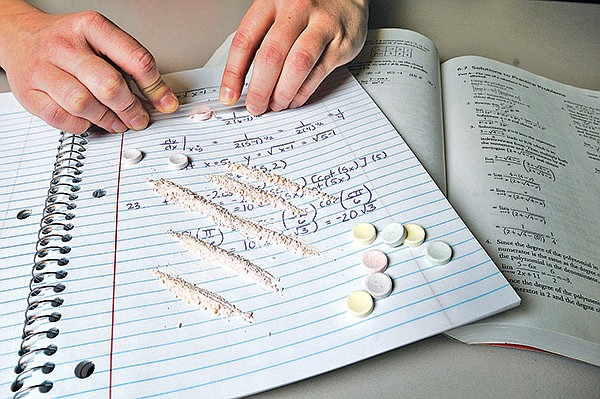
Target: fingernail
168,103
226,96
139,122
119,127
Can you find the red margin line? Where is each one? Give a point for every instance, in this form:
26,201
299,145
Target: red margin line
114,281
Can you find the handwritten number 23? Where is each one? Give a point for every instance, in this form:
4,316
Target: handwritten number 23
132,205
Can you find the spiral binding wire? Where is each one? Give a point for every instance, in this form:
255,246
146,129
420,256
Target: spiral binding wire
48,266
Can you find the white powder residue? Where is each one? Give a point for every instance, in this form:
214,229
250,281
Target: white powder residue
199,297
193,202
230,261
279,181
254,194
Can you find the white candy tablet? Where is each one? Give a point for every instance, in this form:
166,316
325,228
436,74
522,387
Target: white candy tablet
132,156
202,116
393,234
364,233
438,253
379,285
178,161
359,303
374,261
415,235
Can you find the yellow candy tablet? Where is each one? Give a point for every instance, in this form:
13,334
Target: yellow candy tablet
364,233
359,303
415,235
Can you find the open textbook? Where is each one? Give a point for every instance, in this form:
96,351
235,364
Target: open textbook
519,158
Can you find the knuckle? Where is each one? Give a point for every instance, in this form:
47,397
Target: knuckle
233,73
328,19
143,61
241,41
111,86
302,61
54,46
299,5
129,107
54,114
271,55
78,101
309,86
91,19
153,87
57,117
303,94
320,71
102,117
258,95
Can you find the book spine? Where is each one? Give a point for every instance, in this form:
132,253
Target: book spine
42,315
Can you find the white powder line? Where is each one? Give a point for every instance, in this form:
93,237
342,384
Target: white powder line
230,261
199,297
254,194
193,202
279,181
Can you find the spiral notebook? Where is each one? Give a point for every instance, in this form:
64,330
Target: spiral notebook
82,314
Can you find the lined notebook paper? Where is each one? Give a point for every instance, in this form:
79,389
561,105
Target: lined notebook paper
145,343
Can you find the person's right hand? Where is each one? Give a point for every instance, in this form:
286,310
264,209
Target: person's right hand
65,69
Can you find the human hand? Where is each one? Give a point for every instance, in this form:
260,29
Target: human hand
64,69
295,44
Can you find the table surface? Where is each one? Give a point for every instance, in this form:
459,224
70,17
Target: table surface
559,40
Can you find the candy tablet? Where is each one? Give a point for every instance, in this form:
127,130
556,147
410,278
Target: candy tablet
178,161
359,303
132,156
201,116
438,253
379,285
364,233
374,261
393,234
415,235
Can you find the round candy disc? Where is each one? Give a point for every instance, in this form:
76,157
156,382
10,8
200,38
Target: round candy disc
359,303
379,285
415,235
374,261
393,234
364,233
132,156
178,161
438,252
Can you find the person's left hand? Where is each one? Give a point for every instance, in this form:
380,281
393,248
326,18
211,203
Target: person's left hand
295,44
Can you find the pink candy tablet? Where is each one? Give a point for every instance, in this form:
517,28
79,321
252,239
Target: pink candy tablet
374,261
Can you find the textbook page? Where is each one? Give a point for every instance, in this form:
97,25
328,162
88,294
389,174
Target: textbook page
523,167
144,342
400,70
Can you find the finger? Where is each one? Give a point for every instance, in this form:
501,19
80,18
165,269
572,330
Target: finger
322,68
109,87
269,62
73,97
300,61
43,106
135,60
245,43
